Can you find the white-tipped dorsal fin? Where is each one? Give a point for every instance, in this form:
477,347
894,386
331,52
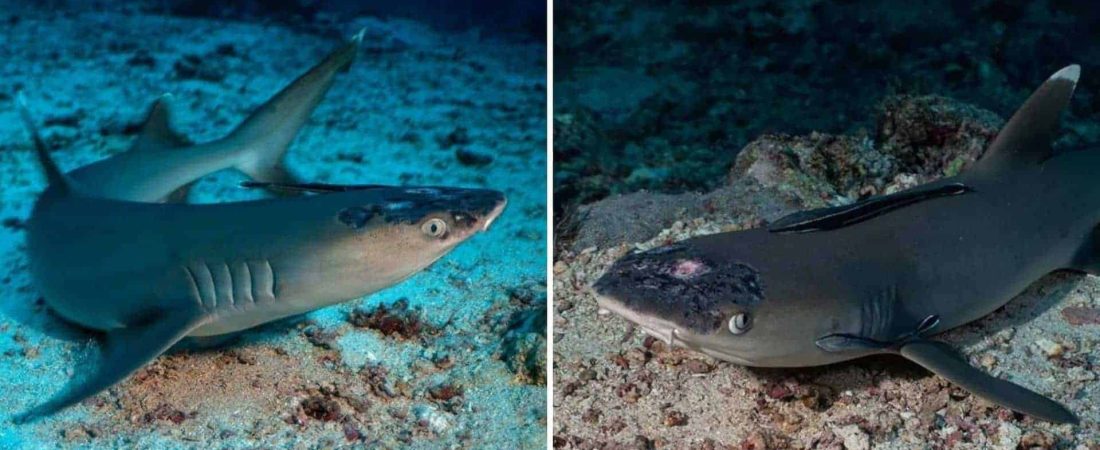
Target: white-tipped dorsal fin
53,174
1026,138
156,131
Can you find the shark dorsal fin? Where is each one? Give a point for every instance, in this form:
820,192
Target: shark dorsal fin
156,131
823,219
54,175
1026,138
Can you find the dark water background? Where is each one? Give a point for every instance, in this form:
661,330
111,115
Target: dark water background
522,19
662,95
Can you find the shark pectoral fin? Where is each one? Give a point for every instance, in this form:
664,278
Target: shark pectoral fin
156,131
1026,138
841,216
941,359
1087,258
264,137
124,351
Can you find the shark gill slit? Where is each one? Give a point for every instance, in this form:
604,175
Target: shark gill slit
271,279
222,284
876,314
242,283
229,285
251,282
194,286
205,281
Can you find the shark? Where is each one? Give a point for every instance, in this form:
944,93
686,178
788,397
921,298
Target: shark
886,274
112,251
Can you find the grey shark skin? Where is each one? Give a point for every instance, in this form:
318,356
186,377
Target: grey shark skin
880,276
149,274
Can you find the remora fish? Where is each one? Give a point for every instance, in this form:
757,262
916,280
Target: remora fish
880,276
149,274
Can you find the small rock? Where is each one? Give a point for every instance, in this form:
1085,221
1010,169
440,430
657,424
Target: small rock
697,366
458,136
321,408
141,58
560,267
1037,439
675,418
1079,315
435,420
1050,348
1008,437
473,158
445,392
854,438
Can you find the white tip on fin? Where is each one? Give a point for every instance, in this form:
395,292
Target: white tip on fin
358,37
1071,72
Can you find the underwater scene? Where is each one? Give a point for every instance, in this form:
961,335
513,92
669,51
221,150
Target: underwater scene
806,224
304,224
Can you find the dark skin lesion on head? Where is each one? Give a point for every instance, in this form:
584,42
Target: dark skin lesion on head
691,291
414,204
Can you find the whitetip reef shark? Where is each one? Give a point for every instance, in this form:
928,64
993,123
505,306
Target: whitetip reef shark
108,255
882,275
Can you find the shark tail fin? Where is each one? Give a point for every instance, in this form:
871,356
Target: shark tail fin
1026,138
53,174
266,134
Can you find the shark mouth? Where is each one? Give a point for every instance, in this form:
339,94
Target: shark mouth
492,216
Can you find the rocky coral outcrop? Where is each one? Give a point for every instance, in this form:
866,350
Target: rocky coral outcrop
917,140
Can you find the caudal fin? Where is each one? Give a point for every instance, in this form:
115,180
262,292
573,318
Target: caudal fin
266,134
53,174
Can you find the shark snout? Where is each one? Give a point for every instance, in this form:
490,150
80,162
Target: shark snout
494,213
653,326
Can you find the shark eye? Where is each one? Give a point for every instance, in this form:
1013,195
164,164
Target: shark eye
434,227
740,323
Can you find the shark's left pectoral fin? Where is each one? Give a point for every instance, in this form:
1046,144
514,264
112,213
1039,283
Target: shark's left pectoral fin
944,361
124,351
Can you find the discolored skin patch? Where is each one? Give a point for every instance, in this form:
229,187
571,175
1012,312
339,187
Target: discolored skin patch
670,282
411,205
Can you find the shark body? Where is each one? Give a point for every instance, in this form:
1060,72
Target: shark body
107,255
883,275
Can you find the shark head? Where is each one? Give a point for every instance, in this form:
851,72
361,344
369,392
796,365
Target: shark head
686,298
401,230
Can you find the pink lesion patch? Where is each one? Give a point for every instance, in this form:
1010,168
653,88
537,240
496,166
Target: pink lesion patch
686,269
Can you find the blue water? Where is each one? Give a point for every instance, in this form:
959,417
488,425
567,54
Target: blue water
90,73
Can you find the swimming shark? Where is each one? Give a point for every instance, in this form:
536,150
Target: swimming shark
883,275
107,255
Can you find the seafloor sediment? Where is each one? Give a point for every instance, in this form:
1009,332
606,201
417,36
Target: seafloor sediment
452,357
615,387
